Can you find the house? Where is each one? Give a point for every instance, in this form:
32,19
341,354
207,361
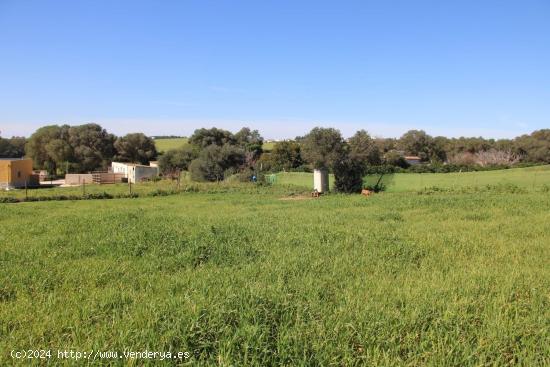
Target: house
135,172
16,173
412,159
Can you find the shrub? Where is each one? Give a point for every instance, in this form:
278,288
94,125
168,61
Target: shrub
348,175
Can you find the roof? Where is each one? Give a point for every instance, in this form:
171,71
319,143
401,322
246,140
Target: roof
14,159
412,157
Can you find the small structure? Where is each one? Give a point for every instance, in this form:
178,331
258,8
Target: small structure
412,159
135,172
101,178
74,179
320,181
16,173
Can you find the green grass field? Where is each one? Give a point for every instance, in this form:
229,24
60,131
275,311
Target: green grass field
268,146
253,276
163,145
528,178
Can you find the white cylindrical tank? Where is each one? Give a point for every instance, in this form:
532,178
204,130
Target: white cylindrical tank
320,180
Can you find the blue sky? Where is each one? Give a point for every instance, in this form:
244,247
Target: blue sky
472,68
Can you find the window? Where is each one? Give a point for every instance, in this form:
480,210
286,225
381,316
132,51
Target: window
18,174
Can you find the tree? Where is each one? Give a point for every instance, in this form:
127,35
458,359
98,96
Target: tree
416,142
93,147
364,149
322,147
286,155
437,149
44,147
251,142
203,138
135,148
214,161
175,160
13,147
534,147
348,174
394,158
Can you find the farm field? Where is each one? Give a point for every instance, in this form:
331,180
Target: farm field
262,278
163,145
528,178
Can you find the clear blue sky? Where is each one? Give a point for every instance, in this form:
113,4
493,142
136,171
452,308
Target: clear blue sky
473,68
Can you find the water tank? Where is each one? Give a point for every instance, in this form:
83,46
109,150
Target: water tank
320,180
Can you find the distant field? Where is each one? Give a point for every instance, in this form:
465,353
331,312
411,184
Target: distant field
531,177
163,145
245,278
268,146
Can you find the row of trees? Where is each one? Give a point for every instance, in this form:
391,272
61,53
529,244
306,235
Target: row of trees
213,154
80,148
533,148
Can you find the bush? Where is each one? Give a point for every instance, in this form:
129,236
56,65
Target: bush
348,176
9,200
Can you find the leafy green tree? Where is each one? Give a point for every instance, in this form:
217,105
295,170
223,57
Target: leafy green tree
175,160
214,161
416,142
534,147
437,149
93,147
13,147
44,147
348,174
203,138
286,155
135,148
322,147
394,158
363,149
250,141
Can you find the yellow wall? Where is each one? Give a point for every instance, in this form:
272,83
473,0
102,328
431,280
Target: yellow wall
15,172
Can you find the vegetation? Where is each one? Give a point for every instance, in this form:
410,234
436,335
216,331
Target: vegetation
321,147
441,278
85,148
177,160
166,144
13,147
532,178
136,148
215,154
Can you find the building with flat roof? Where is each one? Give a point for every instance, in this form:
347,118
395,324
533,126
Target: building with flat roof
16,173
135,172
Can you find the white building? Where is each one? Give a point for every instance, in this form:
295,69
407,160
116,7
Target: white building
135,172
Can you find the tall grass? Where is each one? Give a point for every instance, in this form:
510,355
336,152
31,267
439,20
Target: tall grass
243,278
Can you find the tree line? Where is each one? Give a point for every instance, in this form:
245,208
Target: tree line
77,149
215,154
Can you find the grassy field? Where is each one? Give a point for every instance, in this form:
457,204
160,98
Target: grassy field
253,276
528,178
163,145
268,146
